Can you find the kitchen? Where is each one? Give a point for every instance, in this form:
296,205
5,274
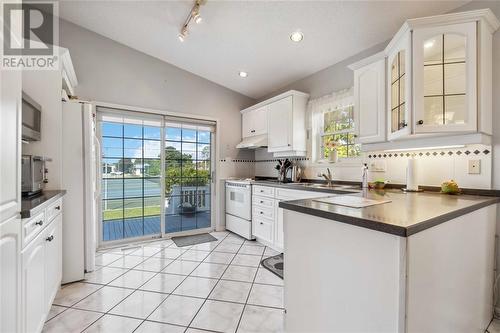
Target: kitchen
269,178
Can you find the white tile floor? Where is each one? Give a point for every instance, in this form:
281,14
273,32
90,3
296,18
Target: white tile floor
158,287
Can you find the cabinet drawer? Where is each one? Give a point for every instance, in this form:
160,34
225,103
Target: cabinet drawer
263,229
263,191
263,202
262,212
33,226
53,210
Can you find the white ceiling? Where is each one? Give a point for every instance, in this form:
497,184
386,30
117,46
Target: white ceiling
252,36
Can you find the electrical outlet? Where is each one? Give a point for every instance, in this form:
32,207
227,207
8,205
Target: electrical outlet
474,167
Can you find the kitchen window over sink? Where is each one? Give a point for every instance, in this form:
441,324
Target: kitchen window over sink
333,127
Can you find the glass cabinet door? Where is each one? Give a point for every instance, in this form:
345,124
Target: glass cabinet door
444,78
398,90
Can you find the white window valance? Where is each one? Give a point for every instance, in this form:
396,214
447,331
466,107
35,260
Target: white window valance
316,109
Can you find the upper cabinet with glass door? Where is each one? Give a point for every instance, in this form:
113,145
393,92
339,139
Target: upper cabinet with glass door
439,75
398,87
445,78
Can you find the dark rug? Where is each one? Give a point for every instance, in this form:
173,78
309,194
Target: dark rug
274,264
181,241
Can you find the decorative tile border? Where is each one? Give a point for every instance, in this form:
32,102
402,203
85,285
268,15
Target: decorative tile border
429,153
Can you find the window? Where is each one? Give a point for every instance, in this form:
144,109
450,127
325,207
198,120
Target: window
333,127
131,183
338,133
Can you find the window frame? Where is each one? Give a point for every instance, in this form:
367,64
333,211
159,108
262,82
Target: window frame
319,133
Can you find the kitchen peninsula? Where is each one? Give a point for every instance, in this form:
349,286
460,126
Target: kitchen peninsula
396,266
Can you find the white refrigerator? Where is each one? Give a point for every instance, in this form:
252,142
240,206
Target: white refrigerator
80,180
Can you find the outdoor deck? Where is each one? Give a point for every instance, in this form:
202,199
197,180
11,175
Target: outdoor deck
134,227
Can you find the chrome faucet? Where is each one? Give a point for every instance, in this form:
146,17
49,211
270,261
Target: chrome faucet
329,177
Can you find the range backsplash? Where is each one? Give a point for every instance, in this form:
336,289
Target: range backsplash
433,166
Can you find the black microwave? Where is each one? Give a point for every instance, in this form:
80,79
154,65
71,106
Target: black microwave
31,119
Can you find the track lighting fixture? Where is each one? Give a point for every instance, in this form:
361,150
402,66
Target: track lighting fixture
194,15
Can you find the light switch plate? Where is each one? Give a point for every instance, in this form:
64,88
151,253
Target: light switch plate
474,167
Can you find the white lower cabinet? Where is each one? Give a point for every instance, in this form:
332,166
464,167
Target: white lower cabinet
41,272
10,275
267,216
33,286
53,254
263,230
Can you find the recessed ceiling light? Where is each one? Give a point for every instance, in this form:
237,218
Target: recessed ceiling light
296,36
243,74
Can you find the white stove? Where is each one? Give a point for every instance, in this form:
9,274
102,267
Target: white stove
239,207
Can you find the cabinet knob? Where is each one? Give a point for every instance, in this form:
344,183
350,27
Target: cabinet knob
261,213
40,223
404,125
289,145
261,201
261,223
58,207
420,122
50,238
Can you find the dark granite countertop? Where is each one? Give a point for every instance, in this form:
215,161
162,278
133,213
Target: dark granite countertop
315,187
32,205
405,215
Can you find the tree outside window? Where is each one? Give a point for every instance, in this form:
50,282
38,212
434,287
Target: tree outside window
338,133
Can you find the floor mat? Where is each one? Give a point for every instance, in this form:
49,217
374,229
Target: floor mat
274,264
193,240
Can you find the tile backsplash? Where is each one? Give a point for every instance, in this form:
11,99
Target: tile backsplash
433,166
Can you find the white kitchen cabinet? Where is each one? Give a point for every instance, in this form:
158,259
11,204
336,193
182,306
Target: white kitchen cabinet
10,147
369,98
53,254
33,285
280,123
445,78
41,264
438,83
10,275
267,217
10,194
282,119
254,122
286,125
399,87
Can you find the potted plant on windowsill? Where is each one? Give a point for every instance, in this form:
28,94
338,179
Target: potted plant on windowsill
331,147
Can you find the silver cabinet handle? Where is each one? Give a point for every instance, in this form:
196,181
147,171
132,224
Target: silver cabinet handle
50,238
40,223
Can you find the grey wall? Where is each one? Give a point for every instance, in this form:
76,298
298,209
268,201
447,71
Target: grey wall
111,72
333,78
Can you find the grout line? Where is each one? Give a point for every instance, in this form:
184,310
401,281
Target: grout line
218,280
173,290
161,271
248,297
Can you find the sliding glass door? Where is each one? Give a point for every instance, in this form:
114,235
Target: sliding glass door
188,181
156,175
